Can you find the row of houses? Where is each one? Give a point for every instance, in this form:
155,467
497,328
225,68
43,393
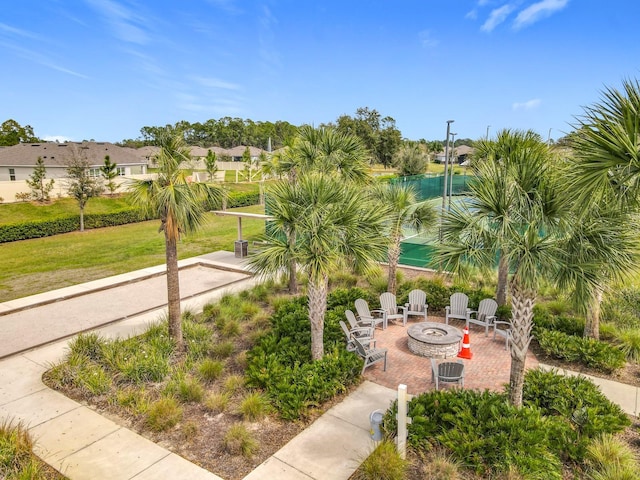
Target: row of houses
18,161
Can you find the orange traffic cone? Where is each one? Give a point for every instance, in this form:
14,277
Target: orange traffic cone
466,347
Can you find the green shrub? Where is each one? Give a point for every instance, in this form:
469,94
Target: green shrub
482,430
592,353
254,406
242,199
163,414
234,383
210,312
66,224
231,328
629,343
239,441
190,390
217,402
88,345
437,292
585,412
610,459
223,349
210,370
384,463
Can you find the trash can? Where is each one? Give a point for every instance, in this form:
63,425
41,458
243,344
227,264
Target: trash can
376,420
241,248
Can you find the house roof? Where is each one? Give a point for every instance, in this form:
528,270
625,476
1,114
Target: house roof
239,150
59,154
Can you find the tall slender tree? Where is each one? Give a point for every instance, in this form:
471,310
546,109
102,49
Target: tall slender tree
529,234
109,171
81,185
405,213
181,206
322,150
336,224
40,187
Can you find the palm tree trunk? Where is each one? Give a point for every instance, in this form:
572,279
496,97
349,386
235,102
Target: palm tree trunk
393,258
173,290
317,295
592,318
293,268
503,277
522,302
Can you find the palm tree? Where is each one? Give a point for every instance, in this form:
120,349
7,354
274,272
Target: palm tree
496,161
606,145
335,222
319,150
601,250
405,212
605,174
181,206
528,234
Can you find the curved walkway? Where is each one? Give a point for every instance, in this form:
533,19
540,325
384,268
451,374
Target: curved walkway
85,445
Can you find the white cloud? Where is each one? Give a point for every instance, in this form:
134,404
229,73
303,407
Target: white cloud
127,25
427,40
496,17
13,31
538,11
212,82
528,105
472,14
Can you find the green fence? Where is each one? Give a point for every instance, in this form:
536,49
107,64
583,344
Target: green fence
428,187
419,251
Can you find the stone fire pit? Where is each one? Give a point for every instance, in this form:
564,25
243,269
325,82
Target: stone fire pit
434,340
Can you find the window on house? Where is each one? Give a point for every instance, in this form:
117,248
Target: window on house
12,174
121,171
95,172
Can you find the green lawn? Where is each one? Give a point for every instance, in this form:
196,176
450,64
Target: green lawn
42,264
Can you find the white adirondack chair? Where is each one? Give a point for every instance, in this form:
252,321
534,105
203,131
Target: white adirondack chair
485,315
417,305
391,309
375,317
457,308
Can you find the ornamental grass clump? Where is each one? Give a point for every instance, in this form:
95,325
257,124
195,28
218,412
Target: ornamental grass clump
163,414
384,463
239,441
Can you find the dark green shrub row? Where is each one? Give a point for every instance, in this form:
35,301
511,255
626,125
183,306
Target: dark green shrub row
46,228
281,362
543,318
584,410
242,199
482,430
592,353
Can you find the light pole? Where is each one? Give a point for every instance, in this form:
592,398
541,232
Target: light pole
446,159
487,136
453,149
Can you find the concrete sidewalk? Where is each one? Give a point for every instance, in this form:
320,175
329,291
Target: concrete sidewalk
85,445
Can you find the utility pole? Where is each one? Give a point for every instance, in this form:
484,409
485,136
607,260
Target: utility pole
446,159
453,151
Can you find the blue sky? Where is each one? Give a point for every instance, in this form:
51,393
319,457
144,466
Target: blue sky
102,69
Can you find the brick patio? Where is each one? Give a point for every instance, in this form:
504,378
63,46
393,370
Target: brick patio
488,369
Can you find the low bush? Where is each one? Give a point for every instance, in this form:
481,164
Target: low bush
628,341
384,463
239,441
66,224
210,370
242,199
608,458
190,390
281,365
163,414
254,406
482,430
578,403
217,402
592,353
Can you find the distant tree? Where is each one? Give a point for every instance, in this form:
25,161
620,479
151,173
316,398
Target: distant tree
12,133
379,134
109,172
411,160
210,164
82,186
248,163
40,188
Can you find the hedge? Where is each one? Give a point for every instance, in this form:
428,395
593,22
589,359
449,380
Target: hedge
46,228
